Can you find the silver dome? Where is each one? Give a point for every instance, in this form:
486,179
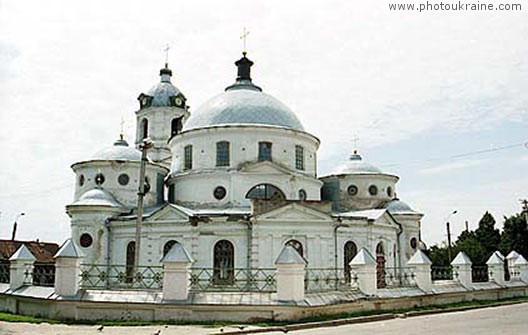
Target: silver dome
398,206
161,94
355,165
120,151
97,197
243,104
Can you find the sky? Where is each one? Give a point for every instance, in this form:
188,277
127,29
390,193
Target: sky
439,98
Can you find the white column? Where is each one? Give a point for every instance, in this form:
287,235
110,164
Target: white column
462,268
496,268
363,272
21,263
291,269
176,273
67,269
422,270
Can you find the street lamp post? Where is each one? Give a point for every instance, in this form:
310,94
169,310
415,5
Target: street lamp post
449,234
144,146
15,225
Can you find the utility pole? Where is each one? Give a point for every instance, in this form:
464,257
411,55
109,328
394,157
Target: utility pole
13,234
449,234
144,146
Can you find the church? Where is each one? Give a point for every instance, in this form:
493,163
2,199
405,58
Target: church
233,182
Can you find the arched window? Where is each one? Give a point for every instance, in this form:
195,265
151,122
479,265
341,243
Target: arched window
130,255
144,129
297,246
299,157
380,265
224,263
222,153
167,247
265,192
187,157
349,252
176,126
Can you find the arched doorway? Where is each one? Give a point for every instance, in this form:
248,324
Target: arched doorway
349,252
130,255
167,247
297,246
224,263
380,265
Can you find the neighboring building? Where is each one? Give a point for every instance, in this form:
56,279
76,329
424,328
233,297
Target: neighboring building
233,182
44,264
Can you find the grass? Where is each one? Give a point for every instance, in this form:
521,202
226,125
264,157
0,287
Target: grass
8,317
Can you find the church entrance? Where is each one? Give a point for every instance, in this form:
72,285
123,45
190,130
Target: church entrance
224,263
380,266
349,252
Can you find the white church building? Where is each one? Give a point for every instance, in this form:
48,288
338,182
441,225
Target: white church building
233,182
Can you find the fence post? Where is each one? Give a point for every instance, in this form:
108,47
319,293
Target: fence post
363,272
291,270
67,269
522,268
176,273
21,264
422,270
510,259
496,268
462,269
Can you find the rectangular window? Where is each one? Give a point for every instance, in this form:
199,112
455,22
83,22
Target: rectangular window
187,157
264,153
222,153
299,157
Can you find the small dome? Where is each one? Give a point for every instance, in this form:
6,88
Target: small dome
398,206
355,165
162,92
243,103
97,197
120,151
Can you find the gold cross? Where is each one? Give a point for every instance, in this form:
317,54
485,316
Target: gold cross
166,50
244,37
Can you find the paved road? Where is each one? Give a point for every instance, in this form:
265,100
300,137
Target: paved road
508,320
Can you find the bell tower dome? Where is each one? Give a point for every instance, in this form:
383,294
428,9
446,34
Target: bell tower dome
161,115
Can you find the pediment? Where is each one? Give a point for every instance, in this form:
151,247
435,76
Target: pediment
265,167
295,212
169,213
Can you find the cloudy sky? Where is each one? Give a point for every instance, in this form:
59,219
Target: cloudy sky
439,98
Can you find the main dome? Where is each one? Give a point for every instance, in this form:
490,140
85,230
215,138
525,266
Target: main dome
243,103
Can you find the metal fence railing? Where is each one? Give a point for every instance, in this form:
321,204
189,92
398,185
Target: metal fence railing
233,279
442,273
399,276
4,273
327,279
479,273
95,276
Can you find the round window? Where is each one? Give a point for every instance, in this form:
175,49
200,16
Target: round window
81,180
389,191
219,193
86,240
373,190
99,179
123,179
414,242
352,190
302,195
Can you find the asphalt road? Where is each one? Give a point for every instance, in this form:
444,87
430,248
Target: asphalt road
508,320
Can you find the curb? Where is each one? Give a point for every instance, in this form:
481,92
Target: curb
364,319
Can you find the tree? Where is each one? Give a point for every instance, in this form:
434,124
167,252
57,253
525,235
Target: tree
488,237
470,245
515,235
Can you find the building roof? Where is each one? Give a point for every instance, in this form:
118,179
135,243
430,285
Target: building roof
97,197
397,206
43,251
119,151
243,103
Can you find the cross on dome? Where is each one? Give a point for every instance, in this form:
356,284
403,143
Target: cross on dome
243,37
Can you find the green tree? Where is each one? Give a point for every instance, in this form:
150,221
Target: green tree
438,255
470,245
515,235
488,237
